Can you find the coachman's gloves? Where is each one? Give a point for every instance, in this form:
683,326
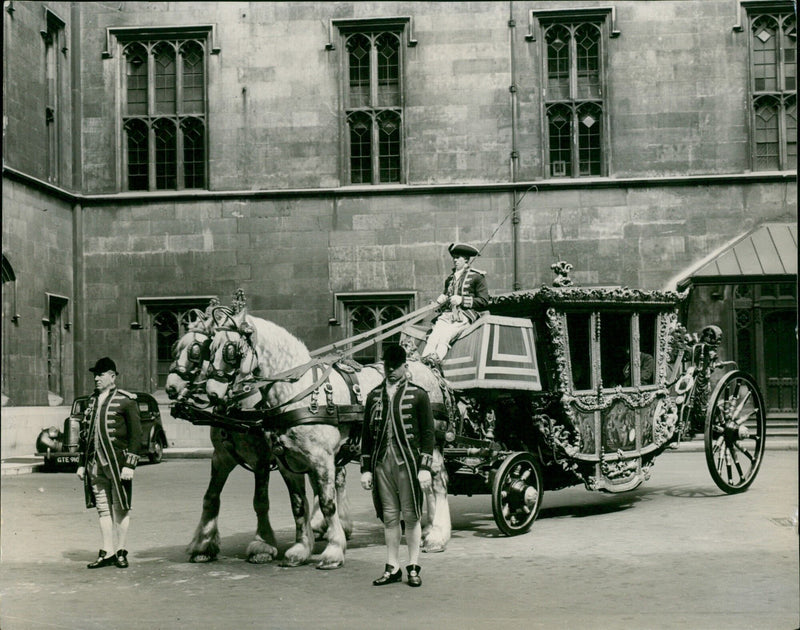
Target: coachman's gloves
456,300
126,474
366,480
441,299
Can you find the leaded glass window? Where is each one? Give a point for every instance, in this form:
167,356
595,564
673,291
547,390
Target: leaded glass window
574,106
362,313
164,114
773,70
373,105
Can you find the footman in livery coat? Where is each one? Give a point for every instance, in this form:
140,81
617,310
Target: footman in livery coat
396,451
111,439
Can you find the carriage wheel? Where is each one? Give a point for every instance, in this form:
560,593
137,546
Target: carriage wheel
517,493
735,432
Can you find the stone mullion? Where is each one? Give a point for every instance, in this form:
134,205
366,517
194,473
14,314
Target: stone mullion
151,137
179,148
573,92
373,97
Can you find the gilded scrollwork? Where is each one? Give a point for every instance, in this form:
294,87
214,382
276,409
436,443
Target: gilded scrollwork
582,295
619,469
667,323
602,400
563,442
665,421
557,326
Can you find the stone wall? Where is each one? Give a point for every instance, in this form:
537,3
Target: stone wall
291,257
25,144
37,243
677,80
279,221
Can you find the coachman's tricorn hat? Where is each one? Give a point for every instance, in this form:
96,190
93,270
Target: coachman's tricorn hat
462,249
104,365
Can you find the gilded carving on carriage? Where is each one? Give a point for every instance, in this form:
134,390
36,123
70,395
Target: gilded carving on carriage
620,470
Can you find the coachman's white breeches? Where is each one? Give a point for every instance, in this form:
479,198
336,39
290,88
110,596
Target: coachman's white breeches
446,327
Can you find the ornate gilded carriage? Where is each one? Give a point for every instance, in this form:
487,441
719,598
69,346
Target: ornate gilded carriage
578,385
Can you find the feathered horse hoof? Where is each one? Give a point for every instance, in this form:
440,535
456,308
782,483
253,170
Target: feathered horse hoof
433,548
202,558
329,566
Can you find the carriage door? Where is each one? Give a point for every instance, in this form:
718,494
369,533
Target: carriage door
627,367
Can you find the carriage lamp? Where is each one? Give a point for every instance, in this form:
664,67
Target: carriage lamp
450,436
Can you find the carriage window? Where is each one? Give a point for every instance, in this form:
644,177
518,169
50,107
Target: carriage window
647,348
615,348
580,345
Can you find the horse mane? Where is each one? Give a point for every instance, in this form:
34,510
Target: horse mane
277,351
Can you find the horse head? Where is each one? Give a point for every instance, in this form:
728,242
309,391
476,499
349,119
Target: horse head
192,353
233,356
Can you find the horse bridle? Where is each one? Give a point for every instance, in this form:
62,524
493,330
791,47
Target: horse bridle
199,351
232,354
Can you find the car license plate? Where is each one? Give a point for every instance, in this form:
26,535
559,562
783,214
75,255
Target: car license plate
67,459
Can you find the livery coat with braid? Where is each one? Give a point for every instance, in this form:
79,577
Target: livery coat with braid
120,432
410,411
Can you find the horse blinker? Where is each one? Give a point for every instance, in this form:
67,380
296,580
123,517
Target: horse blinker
231,353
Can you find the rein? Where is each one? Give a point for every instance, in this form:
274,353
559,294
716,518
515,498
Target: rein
376,334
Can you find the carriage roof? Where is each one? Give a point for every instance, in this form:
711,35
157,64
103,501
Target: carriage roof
526,302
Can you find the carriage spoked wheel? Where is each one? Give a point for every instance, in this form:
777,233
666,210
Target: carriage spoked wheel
517,493
735,431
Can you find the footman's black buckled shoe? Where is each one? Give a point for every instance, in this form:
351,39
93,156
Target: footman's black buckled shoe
413,575
102,560
388,577
122,558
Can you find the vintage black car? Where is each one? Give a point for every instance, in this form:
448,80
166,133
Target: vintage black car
63,448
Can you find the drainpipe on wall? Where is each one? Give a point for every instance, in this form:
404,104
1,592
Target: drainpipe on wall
78,280
514,158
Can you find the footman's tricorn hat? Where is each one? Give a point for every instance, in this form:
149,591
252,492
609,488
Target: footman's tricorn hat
104,365
462,249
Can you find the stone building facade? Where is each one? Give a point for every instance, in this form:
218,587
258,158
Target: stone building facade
321,156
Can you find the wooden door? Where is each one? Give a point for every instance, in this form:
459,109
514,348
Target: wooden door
780,360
